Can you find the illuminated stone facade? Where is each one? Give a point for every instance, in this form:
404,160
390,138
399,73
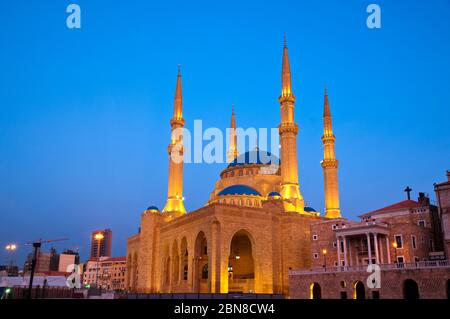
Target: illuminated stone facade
251,232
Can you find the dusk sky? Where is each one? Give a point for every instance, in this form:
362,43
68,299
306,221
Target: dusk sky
84,114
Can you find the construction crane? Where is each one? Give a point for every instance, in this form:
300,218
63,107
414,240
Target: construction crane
36,246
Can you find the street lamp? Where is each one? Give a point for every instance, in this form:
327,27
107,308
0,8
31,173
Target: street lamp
324,252
98,237
395,251
11,247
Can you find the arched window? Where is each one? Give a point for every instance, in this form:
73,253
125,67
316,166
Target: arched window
205,272
256,202
241,173
251,172
246,172
232,174
240,202
232,201
249,202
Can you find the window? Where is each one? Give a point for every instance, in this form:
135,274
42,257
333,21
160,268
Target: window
316,255
416,259
334,244
256,203
399,241
343,284
413,242
334,227
375,294
185,272
314,237
400,259
343,295
241,173
421,223
249,203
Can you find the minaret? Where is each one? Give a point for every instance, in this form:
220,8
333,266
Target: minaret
174,206
290,192
232,150
329,164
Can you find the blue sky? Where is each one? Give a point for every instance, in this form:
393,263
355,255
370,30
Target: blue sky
84,114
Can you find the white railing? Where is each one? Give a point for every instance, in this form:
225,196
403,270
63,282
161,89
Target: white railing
363,268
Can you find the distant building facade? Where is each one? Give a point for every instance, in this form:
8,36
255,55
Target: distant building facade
106,272
67,258
443,200
101,247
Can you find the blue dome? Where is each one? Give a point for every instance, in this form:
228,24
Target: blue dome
309,209
273,194
238,190
255,157
152,208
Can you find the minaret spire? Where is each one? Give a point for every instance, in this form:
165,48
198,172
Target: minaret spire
174,206
329,164
286,85
288,129
232,151
178,102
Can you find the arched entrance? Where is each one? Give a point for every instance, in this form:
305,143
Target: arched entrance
241,267
315,291
410,289
359,291
201,277
448,289
167,275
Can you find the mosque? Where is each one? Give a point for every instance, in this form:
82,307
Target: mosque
255,226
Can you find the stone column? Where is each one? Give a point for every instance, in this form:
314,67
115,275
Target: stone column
338,242
369,249
380,247
388,252
345,251
377,253
350,252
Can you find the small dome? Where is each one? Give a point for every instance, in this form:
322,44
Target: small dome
239,190
274,194
309,209
255,157
153,208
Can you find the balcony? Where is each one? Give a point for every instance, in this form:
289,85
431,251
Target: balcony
363,268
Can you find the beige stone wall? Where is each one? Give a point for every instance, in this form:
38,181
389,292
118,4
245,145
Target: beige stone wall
279,241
